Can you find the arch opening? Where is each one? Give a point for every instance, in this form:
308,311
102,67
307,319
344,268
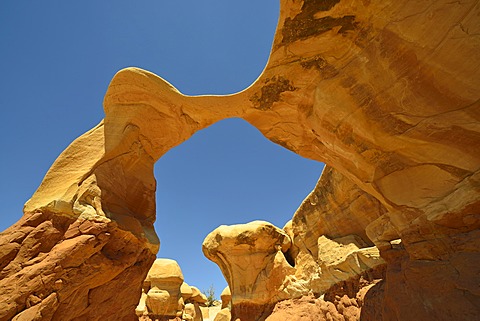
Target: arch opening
228,173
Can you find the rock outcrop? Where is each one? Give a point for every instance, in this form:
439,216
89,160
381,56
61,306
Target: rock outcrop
226,297
162,287
385,92
346,301
252,261
61,268
223,315
165,295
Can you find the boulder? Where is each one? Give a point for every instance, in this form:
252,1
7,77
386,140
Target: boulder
159,302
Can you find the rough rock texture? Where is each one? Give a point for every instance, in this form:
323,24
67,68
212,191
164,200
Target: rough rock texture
189,312
47,269
163,288
198,296
343,258
385,92
355,299
251,257
252,261
335,208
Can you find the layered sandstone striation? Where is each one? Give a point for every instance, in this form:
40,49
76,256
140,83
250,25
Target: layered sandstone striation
386,93
357,298
253,259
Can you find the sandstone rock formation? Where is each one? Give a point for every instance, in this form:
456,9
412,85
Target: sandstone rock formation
351,300
226,297
198,296
197,299
165,295
251,259
385,92
186,291
61,268
223,315
189,313
163,290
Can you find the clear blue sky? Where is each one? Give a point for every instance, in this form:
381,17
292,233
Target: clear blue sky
56,60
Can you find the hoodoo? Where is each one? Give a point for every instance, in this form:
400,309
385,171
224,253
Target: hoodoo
386,93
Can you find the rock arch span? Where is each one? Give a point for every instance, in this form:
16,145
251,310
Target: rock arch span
386,93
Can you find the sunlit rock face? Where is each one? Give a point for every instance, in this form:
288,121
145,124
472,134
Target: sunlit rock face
226,297
251,259
335,209
163,288
384,92
165,295
57,268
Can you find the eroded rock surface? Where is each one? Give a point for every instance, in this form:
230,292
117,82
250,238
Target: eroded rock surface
355,299
385,92
252,258
163,289
252,261
165,295
60,268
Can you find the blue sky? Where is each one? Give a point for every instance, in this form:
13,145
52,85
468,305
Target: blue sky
56,60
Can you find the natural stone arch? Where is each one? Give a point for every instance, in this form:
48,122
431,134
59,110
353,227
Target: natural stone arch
353,84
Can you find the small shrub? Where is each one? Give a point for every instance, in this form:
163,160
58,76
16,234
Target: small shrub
210,294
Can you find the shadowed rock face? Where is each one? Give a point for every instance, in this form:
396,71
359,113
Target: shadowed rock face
384,92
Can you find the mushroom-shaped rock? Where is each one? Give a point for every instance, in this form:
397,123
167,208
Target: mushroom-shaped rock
226,297
186,291
252,260
164,296
198,299
198,296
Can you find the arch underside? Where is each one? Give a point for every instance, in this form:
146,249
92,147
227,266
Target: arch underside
385,93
